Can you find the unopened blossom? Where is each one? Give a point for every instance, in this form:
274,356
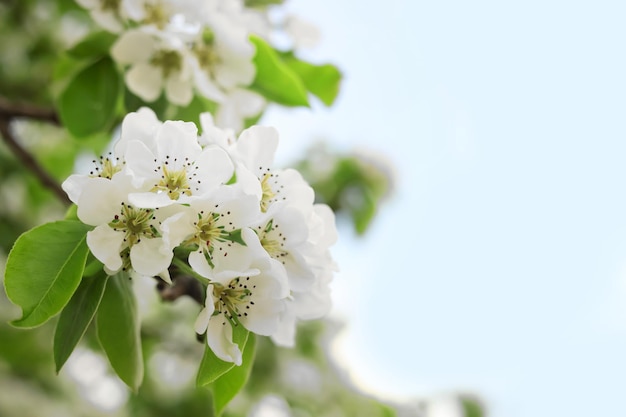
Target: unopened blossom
252,297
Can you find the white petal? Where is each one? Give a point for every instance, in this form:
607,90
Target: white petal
132,47
256,147
140,164
198,263
179,90
178,140
214,168
107,20
326,234
248,102
202,322
235,71
165,276
285,334
220,339
177,228
145,81
151,200
74,186
150,257
213,135
105,244
206,85
141,125
100,201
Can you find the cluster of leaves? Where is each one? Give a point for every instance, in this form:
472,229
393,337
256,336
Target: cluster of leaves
353,184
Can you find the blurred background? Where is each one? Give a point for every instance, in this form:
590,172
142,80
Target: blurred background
475,159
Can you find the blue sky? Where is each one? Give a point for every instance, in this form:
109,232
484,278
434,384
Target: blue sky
499,266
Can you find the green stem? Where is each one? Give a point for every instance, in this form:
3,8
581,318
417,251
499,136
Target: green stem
184,267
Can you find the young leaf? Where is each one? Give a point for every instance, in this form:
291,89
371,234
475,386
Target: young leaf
87,105
229,384
117,327
44,269
212,367
321,80
94,44
76,316
275,80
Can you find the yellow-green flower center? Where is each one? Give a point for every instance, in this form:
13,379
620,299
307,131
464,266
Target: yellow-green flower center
234,300
268,193
112,5
272,240
174,183
105,168
168,61
208,231
136,223
156,15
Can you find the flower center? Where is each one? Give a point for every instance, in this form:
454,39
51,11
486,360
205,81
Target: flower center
106,167
112,5
268,193
173,182
156,15
272,241
206,52
235,299
208,231
135,223
168,61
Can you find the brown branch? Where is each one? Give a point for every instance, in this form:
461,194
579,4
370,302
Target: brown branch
181,285
10,110
29,161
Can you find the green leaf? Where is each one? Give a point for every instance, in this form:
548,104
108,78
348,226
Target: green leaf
212,367
92,45
227,386
44,269
472,406
87,105
274,79
76,316
117,327
322,81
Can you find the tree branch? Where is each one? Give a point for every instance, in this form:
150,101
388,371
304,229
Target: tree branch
9,110
29,161
181,285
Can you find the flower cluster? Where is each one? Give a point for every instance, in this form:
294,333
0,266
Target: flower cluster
183,47
215,207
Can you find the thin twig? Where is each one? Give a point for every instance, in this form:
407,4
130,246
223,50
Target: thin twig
29,161
10,110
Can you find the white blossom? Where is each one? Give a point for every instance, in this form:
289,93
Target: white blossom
158,61
253,298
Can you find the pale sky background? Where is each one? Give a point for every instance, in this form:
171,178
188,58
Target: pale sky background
499,266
